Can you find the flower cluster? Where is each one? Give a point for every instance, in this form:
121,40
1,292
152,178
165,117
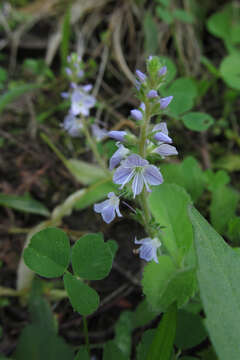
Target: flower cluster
81,101
133,154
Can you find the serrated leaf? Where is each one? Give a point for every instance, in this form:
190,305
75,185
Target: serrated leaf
234,229
218,278
83,298
144,345
229,162
91,257
23,203
216,179
162,345
164,284
190,330
177,230
223,206
197,121
143,314
48,253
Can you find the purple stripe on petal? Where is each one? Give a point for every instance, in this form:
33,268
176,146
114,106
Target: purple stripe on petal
100,206
166,150
153,175
137,184
146,252
123,175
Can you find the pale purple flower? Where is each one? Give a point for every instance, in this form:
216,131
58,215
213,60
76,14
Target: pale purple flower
117,135
136,114
162,71
99,133
138,85
65,95
148,248
152,94
164,102
165,150
72,125
141,76
68,71
150,57
80,73
162,133
81,102
142,106
108,208
119,155
138,170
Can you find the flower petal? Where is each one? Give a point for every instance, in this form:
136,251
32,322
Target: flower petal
152,175
160,136
134,160
123,175
147,252
166,150
161,127
164,102
108,214
137,184
98,208
117,135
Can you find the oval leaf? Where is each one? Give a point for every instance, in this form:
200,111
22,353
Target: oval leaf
91,257
48,253
230,70
84,299
197,121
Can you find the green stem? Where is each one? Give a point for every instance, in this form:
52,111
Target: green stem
85,329
93,145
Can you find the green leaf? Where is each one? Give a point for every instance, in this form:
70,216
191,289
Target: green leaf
183,16
190,330
223,206
211,68
84,172
187,174
218,278
144,345
111,351
48,253
23,203
229,162
219,23
230,70
14,93
143,314
164,15
84,299
42,331
123,330
162,345
216,179
234,229
150,34
164,284
113,245
82,354
176,234
197,121
91,257
184,91
95,193
171,69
